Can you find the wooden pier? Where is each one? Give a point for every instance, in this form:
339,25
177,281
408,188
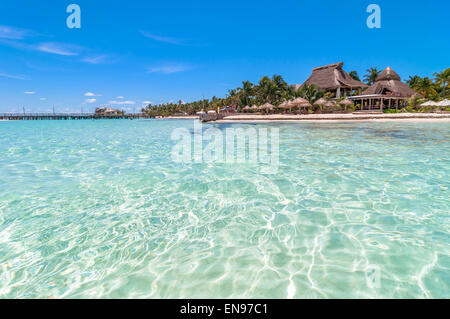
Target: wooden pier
67,116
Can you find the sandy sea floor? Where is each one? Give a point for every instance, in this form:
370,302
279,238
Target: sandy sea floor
100,209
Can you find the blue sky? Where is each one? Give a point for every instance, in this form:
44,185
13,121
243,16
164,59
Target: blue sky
130,52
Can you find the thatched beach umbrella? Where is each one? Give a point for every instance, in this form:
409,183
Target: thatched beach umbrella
306,105
285,105
329,105
291,104
254,108
299,102
302,103
247,108
270,107
267,107
320,101
346,103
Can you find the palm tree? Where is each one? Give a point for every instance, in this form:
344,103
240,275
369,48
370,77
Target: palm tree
311,92
371,75
246,91
281,88
413,81
443,78
232,92
425,86
289,93
354,75
266,90
279,81
414,103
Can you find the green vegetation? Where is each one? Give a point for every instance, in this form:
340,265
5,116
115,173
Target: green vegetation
442,79
371,75
273,90
354,75
276,90
432,89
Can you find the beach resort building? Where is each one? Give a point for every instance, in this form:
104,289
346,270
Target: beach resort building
106,111
332,78
387,92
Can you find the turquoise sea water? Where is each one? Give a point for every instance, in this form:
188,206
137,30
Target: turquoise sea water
98,209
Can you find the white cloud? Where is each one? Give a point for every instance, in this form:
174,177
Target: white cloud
98,59
90,100
43,99
12,76
47,47
120,97
122,102
162,38
169,68
59,48
30,92
91,94
7,32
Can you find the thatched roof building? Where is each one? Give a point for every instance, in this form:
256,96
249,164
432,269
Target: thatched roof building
333,78
389,83
387,92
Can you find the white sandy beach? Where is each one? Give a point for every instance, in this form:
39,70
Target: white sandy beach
404,117
184,117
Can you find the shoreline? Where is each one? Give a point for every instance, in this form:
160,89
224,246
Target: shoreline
319,118
386,117
184,117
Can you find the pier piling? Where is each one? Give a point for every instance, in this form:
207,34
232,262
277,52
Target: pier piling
67,116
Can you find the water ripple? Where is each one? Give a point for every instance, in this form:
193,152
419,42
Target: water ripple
98,209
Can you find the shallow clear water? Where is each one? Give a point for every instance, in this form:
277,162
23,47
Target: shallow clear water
99,209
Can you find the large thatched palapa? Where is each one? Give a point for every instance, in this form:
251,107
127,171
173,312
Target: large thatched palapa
333,78
389,83
388,91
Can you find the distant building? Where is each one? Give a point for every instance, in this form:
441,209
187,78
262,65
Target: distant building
332,78
229,109
107,111
388,91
